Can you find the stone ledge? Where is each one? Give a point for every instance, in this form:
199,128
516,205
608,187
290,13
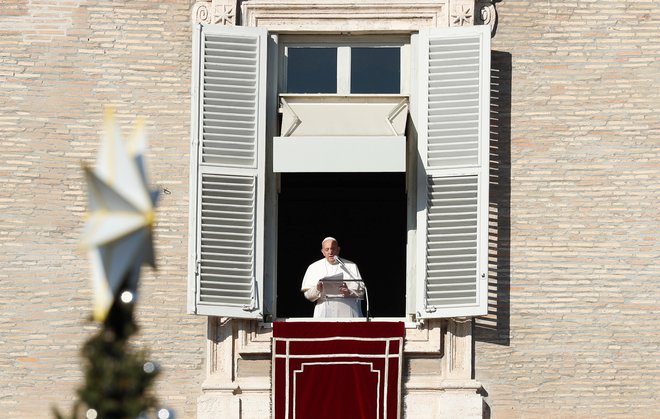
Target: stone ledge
344,16
216,384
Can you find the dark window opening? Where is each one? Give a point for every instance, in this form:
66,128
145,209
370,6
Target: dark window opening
366,212
311,70
375,70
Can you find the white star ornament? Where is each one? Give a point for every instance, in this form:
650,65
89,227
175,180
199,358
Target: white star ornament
118,232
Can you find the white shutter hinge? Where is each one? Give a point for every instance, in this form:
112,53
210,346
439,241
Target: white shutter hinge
196,291
419,320
253,297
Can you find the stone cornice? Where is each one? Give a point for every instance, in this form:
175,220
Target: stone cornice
344,16
347,15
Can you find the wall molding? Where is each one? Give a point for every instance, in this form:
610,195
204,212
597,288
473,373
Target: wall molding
346,16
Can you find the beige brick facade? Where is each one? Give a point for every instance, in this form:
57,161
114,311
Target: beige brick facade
576,326
584,228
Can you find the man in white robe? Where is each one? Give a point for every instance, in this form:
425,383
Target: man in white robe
341,298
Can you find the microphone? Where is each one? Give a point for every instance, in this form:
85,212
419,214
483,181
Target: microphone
348,271
340,261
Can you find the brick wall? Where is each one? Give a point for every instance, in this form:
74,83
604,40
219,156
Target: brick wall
575,328
61,62
579,331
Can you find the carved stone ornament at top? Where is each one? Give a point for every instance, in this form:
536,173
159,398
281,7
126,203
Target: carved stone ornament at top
486,13
221,12
461,15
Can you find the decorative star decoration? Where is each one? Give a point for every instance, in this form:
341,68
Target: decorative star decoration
225,14
461,17
118,231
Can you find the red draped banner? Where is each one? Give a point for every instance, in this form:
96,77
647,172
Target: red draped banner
337,370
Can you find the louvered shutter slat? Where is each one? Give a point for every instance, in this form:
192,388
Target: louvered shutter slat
227,230
453,84
452,215
230,81
229,171
453,179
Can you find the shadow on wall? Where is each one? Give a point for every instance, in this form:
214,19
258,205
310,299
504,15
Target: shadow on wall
495,327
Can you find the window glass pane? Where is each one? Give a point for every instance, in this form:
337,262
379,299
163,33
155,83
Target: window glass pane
375,70
311,70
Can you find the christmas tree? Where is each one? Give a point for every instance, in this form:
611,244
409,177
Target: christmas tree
118,378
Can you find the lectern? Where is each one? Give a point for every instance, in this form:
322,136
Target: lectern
341,304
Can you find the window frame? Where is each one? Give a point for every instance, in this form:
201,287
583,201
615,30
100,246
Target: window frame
265,264
344,43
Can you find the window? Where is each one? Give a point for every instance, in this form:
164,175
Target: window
375,70
233,222
345,65
312,70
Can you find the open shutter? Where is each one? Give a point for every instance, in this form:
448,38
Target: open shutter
227,171
452,185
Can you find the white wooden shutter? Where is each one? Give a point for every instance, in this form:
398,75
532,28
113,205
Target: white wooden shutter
227,171
453,136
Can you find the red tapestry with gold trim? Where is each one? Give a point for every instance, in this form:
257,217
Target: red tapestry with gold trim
337,370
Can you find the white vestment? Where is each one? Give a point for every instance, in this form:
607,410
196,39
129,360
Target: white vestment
328,306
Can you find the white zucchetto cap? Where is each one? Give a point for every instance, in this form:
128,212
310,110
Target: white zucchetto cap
328,238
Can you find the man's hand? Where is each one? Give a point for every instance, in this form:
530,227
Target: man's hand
344,290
